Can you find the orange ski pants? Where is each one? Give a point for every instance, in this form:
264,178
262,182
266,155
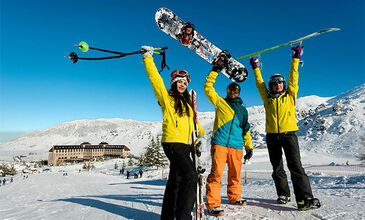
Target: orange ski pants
220,156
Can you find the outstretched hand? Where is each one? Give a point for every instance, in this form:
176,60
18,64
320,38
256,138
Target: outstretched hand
148,51
298,51
254,62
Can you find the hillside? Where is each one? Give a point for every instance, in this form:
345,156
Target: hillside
332,126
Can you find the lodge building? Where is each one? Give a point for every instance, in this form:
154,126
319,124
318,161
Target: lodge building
84,152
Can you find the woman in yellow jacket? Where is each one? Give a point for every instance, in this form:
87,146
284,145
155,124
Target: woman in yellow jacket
281,125
177,128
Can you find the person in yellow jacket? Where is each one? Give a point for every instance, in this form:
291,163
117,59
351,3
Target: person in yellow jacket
177,128
281,125
230,133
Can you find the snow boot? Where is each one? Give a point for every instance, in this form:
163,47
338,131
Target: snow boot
283,199
309,203
217,211
240,202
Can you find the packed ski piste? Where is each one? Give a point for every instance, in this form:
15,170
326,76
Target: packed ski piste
182,133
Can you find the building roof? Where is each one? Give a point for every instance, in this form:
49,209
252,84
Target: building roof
62,147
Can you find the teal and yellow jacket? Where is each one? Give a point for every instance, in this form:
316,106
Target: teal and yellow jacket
280,111
175,129
231,127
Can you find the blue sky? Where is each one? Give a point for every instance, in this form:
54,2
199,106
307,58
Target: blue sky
39,88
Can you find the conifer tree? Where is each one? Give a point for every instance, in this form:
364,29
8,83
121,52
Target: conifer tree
130,161
154,156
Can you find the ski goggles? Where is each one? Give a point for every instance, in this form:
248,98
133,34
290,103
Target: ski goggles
277,79
180,73
234,89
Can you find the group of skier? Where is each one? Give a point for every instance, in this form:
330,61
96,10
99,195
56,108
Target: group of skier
230,135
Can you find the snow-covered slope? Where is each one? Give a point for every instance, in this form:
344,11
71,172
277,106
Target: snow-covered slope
332,126
109,195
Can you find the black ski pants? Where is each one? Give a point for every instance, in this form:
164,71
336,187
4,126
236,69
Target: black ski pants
180,192
289,143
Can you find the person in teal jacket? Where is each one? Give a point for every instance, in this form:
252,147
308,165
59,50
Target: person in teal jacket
230,133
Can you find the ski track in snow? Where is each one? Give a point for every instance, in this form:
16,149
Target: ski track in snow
94,195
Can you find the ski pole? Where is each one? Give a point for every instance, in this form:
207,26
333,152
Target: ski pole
84,47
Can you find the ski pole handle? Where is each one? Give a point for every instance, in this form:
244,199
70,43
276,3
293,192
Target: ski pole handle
161,48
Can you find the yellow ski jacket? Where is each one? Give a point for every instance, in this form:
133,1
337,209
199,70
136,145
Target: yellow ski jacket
175,129
280,111
231,127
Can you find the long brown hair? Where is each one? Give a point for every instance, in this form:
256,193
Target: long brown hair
182,100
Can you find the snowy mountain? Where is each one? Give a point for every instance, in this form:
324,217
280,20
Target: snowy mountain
331,126
331,129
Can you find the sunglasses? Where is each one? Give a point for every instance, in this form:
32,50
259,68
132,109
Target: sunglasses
180,73
234,89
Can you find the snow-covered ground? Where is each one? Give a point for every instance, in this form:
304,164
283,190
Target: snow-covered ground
331,136
105,194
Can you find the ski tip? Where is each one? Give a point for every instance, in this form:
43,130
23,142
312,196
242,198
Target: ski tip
329,29
83,46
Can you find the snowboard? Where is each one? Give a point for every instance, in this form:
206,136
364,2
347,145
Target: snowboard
168,22
288,43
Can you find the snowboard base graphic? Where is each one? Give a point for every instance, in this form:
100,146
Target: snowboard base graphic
168,22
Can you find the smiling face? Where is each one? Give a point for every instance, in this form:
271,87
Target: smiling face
181,85
233,95
233,91
277,87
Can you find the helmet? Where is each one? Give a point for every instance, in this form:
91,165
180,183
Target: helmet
179,74
234,87
275,78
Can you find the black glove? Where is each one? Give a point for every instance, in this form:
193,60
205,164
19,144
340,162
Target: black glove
249,154
217,65
221,61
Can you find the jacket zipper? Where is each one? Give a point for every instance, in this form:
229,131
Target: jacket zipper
229,135
189,132
277,113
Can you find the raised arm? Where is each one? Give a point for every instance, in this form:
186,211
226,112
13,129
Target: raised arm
294,74
260,83
209,90
154,76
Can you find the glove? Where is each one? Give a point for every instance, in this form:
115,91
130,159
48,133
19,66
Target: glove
148,51
217,65
221,61
254,62
298,51
249,154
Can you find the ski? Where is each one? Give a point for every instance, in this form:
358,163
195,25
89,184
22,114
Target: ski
199,204
185,33
288,43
